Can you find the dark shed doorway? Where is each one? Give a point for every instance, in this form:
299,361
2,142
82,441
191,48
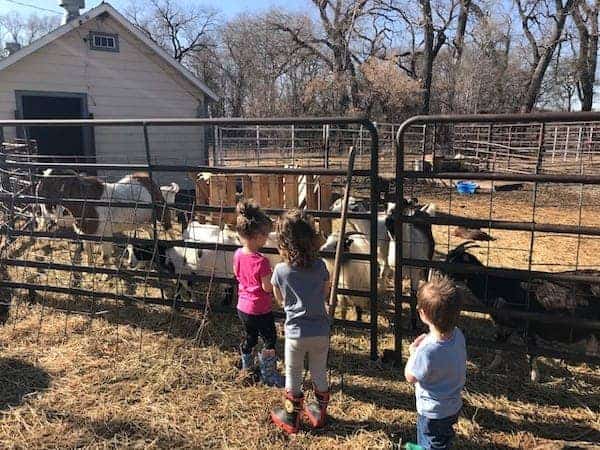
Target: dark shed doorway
62,144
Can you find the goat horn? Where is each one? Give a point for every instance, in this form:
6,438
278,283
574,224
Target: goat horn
465,246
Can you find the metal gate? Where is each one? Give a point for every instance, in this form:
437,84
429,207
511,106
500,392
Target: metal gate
16,198
536,179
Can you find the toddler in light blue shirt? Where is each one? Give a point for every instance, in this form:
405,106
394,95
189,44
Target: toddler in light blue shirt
437,364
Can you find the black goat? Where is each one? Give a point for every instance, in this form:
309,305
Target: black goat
504,294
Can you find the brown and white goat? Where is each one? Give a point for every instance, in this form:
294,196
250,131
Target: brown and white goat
103,220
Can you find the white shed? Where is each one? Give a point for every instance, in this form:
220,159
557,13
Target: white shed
99,65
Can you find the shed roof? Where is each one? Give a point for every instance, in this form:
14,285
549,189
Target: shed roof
107,8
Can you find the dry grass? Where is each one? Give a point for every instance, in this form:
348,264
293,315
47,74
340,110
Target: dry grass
124,381
133,377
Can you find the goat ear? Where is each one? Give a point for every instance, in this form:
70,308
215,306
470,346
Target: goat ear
422,283
347,244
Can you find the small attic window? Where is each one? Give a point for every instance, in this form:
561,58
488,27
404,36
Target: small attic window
104,41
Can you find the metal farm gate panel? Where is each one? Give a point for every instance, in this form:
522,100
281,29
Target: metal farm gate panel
20,173
538,179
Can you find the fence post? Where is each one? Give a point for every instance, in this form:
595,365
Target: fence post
360,141
215,143
579,136
326,144
423,147
293,146
567,142
257,144
554,142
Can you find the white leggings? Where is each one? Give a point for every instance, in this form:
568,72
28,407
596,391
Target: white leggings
317,348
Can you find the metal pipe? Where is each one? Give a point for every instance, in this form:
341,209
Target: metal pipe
504,225
523,178
373,266
147,300
25,200
519,274
190,122
339,250
187,168
173,243
527,315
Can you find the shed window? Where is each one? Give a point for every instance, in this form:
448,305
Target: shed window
104,41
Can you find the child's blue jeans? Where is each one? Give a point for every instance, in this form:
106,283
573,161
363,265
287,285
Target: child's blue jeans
435,434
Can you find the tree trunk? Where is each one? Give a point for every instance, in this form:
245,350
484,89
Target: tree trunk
541,65
588,51
427,54
459,41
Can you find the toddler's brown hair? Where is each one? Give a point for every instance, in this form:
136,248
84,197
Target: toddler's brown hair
251,220
298,238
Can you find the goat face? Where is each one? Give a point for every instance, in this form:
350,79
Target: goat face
54,184
331,243
354,205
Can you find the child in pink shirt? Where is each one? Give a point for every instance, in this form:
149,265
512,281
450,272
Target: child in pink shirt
255,294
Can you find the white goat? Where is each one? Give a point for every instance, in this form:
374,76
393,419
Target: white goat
418,241
354,274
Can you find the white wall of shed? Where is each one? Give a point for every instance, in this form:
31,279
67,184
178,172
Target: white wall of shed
133,84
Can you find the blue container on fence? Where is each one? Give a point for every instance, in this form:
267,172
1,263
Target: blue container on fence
466,187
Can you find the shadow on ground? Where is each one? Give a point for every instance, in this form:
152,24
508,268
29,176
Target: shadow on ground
18,380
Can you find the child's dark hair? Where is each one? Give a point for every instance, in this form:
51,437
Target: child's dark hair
440,302
251,221
298,239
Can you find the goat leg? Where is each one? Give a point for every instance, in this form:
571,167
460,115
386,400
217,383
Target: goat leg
496,361
534,368
359,313
501,337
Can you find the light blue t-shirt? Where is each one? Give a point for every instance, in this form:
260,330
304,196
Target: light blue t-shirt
303,291
440,368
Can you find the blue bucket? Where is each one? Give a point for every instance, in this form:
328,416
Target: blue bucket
466,187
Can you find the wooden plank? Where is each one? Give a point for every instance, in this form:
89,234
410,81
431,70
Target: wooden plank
311,192
291,199
217,194
229,200
246,187
325,194
260,190
202,192
275,191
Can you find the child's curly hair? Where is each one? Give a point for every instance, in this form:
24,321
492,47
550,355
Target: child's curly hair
251,220
298,239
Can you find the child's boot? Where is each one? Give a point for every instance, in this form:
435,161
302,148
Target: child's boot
268,369
288,417
246,375
316,412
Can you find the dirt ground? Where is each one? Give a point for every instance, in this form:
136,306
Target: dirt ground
148,377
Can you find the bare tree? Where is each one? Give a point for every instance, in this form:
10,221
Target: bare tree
180,28
338,20
431,24
549,21
585,17
24,30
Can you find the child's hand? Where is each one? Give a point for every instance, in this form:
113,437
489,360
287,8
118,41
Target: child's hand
413,347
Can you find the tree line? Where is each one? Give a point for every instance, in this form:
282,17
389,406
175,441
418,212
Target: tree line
386,58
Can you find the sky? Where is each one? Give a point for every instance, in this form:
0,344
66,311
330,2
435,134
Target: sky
228,7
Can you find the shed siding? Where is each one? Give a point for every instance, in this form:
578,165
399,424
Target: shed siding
133,83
